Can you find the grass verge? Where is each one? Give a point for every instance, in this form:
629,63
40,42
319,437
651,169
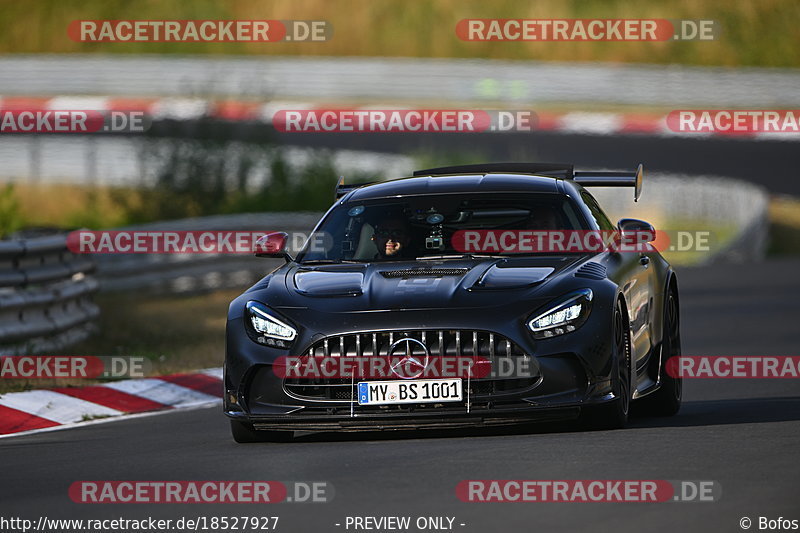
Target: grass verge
176,334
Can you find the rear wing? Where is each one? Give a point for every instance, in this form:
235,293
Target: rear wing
586,178
612,179
556,170
342,189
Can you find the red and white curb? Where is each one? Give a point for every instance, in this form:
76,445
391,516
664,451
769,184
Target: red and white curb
40,410
592,123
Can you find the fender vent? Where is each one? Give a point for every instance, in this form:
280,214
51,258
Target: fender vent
591,271
424,272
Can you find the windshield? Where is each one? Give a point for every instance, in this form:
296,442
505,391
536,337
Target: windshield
423,226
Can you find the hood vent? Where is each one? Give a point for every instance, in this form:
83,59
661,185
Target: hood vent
591,271
423,273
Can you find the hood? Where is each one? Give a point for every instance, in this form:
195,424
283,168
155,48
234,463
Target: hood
430,284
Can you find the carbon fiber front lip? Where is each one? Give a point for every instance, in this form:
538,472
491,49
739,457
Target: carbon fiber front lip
497,416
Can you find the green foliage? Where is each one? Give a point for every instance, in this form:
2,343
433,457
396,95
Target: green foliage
753,32
203,177
90,216
10,216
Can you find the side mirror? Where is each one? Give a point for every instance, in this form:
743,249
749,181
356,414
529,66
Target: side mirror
635,230
272,245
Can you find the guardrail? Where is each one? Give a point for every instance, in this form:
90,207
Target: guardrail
193,273
696,203
45,295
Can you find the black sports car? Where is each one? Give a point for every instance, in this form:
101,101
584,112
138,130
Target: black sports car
584,332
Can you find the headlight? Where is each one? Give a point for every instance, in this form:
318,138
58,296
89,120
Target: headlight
565,315
268,329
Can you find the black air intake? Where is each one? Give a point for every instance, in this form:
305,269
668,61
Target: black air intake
424,273
591,271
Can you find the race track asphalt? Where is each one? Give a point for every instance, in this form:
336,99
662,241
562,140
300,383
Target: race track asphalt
742,434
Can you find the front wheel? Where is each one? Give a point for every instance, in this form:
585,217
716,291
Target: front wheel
614,414
243,432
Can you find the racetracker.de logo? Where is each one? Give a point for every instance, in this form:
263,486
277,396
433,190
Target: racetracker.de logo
586,30
588,490
198,31
734,121
187,242
33,120
395,366
557,241
721,366
403,120
564,490
72,366
177,492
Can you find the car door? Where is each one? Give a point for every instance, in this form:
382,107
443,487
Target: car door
636,278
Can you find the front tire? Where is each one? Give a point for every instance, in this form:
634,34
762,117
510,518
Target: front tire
243,433
614,414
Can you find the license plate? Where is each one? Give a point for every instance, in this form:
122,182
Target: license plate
409,391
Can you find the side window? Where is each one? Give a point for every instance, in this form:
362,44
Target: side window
597,213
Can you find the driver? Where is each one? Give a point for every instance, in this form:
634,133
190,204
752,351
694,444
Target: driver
392,238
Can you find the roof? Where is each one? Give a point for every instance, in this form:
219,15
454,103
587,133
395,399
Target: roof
455,184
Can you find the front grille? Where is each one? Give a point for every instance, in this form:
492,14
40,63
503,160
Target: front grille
484,344
424,272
